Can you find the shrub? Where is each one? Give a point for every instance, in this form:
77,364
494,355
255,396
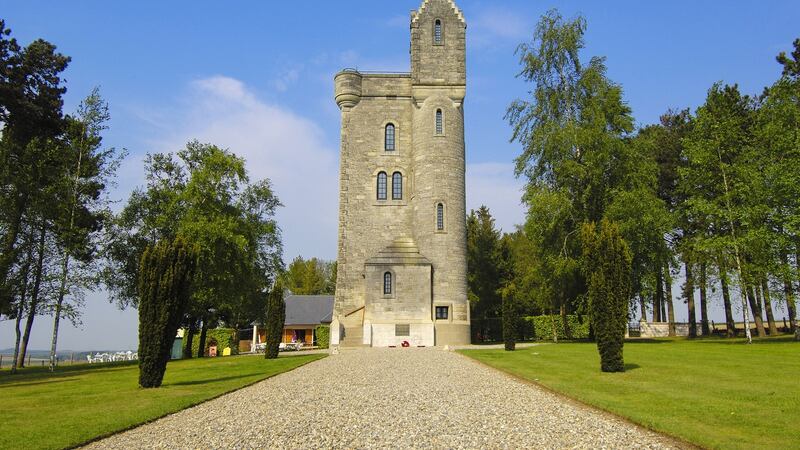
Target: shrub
542,327
225,337
276,316
607,267
323,334
165,273
510,323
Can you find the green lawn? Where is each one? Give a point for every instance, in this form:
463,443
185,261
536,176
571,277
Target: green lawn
81,403
715,393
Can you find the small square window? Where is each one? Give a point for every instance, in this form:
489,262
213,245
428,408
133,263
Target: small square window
402,330
442,312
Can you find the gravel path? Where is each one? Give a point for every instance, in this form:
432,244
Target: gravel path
389,398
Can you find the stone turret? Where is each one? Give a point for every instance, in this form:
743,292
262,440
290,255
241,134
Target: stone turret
348,88
438,44
402,211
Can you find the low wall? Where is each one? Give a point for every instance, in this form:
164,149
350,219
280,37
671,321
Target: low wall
661,329
451,334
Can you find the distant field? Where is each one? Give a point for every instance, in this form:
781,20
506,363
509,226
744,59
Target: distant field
712,392
79,403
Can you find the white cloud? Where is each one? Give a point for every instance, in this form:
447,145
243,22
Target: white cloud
287,78
498,24
494,185
278,144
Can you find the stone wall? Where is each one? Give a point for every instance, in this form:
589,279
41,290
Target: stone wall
410,300
661,329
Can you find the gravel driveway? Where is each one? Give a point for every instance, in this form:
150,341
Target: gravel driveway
389,398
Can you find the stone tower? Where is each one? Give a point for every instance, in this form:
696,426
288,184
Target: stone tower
402,213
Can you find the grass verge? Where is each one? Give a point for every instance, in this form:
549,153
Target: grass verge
79,404
712,392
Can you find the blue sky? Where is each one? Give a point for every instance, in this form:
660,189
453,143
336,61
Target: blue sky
257,77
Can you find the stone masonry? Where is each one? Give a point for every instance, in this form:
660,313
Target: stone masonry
402,237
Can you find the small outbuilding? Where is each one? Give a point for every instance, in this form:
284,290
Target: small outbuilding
304,313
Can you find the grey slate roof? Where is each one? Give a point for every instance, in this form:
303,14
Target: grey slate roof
308,309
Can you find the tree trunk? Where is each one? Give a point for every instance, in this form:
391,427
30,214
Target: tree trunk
237,327
668,301
688,293
188,337
790,305
567,331
788,292
643,307
17,336
773,328
658,297
201,348
704,299
755,308
23,295
730,324
62,292
32,308
797,268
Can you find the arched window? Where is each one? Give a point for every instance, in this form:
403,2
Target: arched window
437,32
439,122
387,283
397,186
382,186
389,138
440,217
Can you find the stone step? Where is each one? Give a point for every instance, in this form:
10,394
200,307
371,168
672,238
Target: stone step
353,337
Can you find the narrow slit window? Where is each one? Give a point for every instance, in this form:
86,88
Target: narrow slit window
389,138
382,186
439,122
440,217
387,283
397,186
437,32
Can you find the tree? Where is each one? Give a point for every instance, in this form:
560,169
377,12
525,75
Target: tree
31,92
510,322
608,270
718,179
791,63
276,316
574,154
778,139
165,282
206,196
483,271
310,277
643,207
83,211
52,177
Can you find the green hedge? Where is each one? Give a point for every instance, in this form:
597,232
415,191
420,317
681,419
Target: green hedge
543,327
225,337
323,334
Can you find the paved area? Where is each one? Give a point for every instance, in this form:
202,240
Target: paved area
389,398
